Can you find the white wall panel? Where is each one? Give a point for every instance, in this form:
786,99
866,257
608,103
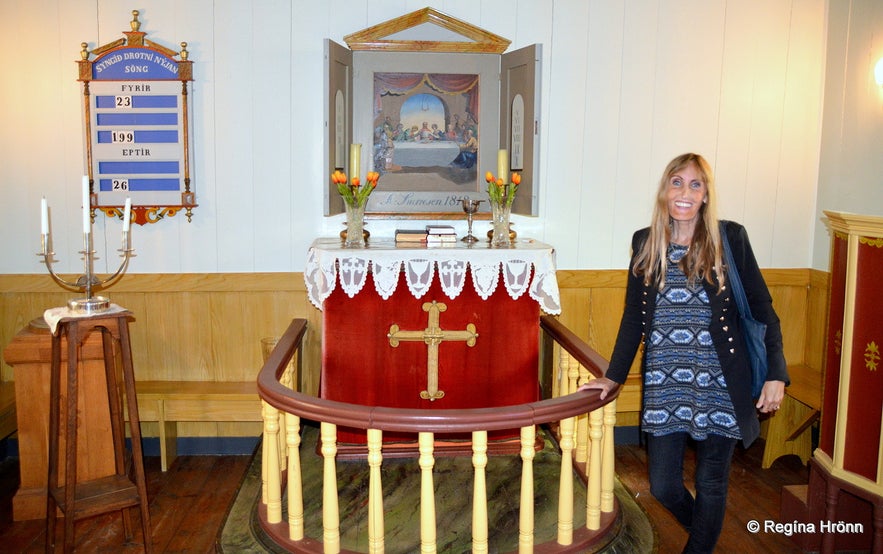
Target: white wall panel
562,176
235,92
851,166
626,85
600,138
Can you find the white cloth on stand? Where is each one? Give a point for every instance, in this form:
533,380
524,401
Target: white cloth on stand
53,315
527,266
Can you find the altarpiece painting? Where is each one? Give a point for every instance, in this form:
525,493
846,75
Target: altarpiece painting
431,99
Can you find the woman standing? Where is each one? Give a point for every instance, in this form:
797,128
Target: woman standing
696,373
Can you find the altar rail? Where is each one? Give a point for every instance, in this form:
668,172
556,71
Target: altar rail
585,435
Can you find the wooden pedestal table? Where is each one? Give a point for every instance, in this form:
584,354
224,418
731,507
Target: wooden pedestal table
79,500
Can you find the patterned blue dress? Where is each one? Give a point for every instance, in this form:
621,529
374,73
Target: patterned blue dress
684,387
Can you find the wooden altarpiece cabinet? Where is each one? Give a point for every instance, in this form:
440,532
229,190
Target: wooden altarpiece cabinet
423,70
430,328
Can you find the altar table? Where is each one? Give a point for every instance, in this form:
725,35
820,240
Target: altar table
430,327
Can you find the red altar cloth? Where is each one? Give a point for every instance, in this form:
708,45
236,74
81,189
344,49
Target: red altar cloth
360,366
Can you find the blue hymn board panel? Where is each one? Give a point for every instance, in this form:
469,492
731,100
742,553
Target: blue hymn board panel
137,128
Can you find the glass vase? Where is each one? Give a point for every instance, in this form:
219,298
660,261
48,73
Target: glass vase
355,231
500,221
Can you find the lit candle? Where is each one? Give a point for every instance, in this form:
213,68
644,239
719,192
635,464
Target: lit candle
127,215
355,157
503,165
87,220
44,217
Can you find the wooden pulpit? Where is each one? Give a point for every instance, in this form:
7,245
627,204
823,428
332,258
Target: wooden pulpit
430,327
846,470
30,354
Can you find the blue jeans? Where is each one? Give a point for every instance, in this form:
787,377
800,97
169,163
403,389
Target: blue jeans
702,517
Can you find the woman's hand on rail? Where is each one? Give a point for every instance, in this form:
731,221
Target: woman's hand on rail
605,385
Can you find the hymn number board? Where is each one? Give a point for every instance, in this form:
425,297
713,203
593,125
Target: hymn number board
136,119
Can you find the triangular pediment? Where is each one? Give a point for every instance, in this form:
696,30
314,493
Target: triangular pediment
427,30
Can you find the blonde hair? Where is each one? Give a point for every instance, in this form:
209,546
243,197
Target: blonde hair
703,258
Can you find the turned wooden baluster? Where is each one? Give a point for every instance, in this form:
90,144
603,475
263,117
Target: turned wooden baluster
582,421
479,494
607,458
272,488
565,489
295,479
427,493
375,492
526,519
593,497
330,511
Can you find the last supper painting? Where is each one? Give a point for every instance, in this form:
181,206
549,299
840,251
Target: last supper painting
426,131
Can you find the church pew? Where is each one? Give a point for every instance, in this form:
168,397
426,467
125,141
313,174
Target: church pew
169,402
788,429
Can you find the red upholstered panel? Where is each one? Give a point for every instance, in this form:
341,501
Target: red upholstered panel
834,344
360,366
866,376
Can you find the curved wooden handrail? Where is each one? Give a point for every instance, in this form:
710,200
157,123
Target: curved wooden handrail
575,346
434,421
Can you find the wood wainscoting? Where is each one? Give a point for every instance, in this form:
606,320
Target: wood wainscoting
208,326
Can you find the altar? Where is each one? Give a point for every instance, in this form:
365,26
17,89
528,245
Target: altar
431,327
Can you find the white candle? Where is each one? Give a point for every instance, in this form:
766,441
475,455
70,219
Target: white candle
44,217
355,158
503,165
127,215
87,220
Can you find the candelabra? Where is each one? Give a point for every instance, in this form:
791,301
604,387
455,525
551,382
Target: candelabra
87,282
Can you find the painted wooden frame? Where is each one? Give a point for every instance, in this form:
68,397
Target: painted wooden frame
136,109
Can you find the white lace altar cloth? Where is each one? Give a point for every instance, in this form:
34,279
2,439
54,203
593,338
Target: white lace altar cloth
528,266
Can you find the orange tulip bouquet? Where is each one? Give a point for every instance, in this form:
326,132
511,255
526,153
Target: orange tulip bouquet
501,196
355,197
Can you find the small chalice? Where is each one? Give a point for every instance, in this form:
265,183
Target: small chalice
470,207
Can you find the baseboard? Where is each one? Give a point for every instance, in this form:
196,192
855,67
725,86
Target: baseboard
630,434
244,446
205,446
187,446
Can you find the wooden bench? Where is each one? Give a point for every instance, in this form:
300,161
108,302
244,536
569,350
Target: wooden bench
170,402
787,429
8,424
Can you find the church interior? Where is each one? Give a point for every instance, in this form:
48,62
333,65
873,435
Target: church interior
326,385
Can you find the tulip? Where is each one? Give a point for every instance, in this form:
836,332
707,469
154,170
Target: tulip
516,179
489,177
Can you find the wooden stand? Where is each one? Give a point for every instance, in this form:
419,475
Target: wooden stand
78,500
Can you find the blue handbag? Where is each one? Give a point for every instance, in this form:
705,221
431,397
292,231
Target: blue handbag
753,331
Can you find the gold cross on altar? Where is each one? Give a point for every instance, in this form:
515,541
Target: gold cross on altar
433,335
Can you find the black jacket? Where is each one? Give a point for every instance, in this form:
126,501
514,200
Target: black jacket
640,304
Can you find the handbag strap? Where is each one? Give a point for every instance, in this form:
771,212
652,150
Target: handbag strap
733,274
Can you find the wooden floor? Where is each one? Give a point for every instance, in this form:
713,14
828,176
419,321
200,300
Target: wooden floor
188,505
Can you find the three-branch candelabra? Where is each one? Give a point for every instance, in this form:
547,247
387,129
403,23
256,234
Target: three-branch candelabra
87,282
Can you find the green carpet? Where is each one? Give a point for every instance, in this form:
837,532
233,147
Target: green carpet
453,495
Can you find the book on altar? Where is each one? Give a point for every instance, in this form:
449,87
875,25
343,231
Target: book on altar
442,230
433,240
411,235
